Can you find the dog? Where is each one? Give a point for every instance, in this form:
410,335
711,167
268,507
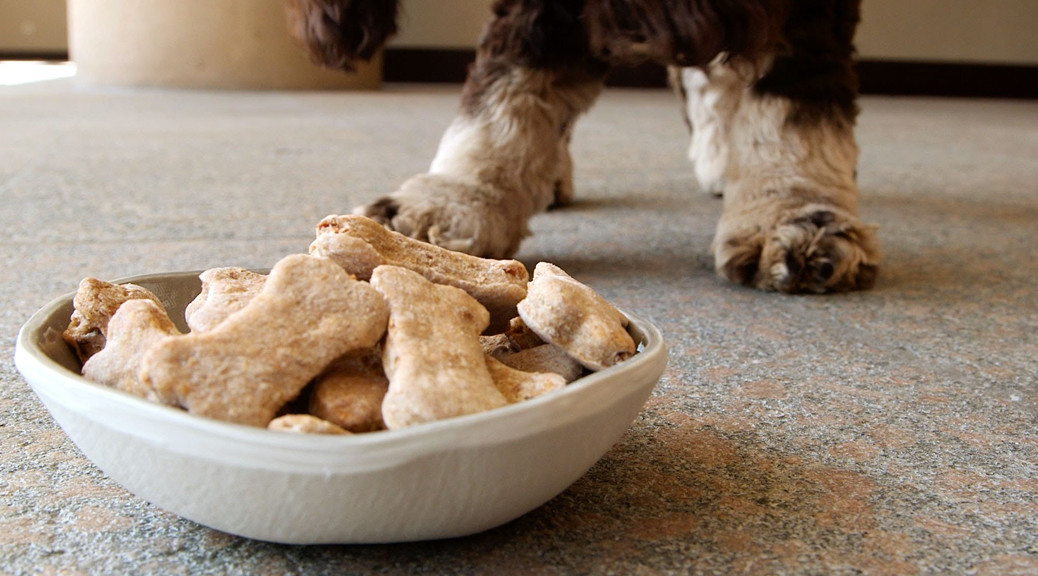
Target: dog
768,89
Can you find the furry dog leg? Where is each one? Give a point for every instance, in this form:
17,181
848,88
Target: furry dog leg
790,205
504,158
781,145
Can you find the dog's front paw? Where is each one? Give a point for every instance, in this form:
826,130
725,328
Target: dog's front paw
466,216
813,248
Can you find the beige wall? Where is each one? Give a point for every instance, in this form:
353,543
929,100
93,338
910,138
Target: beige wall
995,31
197,44
442,23
33,26
991,31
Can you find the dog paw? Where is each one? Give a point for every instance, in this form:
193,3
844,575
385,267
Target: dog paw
466,216
814,248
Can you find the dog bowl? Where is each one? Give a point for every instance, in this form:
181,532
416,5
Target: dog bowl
442,479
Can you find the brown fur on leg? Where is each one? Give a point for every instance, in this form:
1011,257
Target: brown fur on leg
564,191
337,33
683,32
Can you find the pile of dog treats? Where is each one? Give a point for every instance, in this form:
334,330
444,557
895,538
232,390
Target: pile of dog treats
371,330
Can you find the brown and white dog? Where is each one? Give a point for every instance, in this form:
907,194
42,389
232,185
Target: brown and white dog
769,92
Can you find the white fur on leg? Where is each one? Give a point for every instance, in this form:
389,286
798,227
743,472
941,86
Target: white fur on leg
712,98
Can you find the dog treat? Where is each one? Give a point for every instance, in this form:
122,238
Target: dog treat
497,284
496,345
521,335
544,358
308,313
95,302
431,354
564,312
304,424
349,393
134,327
517,337
224,292
517,385
371,331
354,254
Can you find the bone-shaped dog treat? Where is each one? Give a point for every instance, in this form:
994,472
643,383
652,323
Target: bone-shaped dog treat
243,370
354,254
95,302
518,337
517,385
304,424
431,353
521,334
136,325
349,393
544,358
224,292
571,315
497,284
497,345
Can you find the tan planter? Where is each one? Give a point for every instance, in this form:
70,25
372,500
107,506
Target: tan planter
230,44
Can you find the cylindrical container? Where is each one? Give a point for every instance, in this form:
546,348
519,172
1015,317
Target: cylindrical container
219,44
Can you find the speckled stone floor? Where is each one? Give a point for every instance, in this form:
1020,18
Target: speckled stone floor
886,432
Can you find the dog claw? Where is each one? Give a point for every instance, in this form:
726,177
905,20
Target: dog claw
382,211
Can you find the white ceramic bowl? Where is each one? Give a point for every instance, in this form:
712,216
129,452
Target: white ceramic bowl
442,479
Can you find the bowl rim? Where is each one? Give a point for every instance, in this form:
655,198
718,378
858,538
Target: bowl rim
46,376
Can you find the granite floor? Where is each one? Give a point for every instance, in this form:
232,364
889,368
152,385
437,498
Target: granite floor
889,432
